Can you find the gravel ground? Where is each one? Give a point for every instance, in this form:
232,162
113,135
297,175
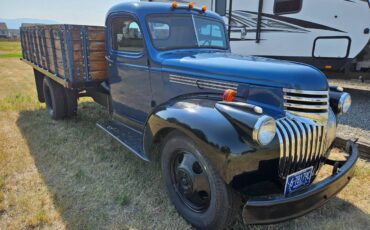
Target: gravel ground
356,123
351,84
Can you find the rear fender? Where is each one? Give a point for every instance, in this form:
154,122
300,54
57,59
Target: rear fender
39,78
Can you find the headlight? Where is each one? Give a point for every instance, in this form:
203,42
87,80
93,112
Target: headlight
345,102
264,130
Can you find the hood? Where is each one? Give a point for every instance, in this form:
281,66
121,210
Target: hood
245,69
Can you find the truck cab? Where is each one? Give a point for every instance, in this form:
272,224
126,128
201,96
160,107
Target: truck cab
144,45
220,122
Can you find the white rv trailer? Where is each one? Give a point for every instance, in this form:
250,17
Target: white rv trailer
324,33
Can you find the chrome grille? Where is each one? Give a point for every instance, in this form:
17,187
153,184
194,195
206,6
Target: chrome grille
302,144
309,104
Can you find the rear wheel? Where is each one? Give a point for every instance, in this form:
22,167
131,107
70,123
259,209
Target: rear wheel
199,194
54,99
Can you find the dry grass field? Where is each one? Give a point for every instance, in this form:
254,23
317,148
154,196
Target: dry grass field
71,175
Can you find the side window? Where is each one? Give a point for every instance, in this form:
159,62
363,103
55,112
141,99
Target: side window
126,35
287,6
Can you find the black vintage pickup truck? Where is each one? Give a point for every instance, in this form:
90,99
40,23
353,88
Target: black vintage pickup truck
221,123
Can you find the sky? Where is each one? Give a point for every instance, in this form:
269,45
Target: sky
86,12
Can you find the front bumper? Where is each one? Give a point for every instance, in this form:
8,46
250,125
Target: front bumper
281,208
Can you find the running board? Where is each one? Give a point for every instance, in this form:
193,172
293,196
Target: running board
125,135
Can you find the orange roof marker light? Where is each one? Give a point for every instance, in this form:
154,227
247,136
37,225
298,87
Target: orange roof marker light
191,5
174,4
229,95
204,8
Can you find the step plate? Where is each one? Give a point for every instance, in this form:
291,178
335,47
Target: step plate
127,136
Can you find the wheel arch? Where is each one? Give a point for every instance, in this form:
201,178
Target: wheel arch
199,120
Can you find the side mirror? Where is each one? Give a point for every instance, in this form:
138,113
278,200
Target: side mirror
221,7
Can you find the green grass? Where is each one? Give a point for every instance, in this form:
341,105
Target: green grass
122,199
38,219
11,55
11,49
19,101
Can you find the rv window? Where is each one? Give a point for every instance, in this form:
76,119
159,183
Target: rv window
126,35
221,7
287,6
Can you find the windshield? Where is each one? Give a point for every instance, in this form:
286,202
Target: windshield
169,31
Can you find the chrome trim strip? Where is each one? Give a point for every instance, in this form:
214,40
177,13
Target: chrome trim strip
319,142
314,142
292,153
209,84
319,136
287,147
309,140
323,141
305,99
199,85
183,83
310,92
318,117
310,144
282,154
301,106
304,139
298,143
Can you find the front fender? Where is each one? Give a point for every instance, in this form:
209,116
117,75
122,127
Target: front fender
212,132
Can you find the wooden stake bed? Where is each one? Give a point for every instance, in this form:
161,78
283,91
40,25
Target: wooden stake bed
73,53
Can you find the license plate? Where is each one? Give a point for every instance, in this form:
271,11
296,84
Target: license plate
297,180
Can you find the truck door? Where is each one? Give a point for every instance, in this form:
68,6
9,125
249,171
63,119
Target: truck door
128,69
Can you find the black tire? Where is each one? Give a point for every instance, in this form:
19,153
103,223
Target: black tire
54,99
219,203
71,102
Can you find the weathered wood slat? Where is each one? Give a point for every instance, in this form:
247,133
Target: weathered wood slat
93,56
98,66
97,46
92,35
98,75
45,45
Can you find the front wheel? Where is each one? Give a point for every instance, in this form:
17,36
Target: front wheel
199,194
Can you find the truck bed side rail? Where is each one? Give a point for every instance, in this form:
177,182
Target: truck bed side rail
74,53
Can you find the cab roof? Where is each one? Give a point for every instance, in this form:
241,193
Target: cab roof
141,9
